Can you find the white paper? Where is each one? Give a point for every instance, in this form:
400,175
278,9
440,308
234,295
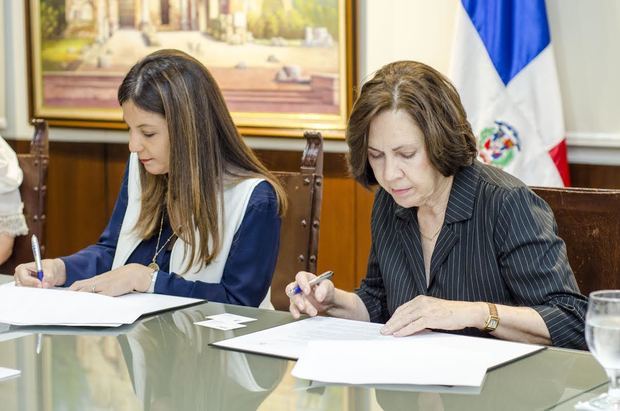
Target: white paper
6,373
354,352
59,306
220,325
425,359
231,318
399,361
289,340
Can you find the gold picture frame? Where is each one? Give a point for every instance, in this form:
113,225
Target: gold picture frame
284,66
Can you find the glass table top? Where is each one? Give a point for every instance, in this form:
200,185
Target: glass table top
165,362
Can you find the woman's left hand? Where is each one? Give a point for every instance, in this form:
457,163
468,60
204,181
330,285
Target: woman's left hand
123,280
425,312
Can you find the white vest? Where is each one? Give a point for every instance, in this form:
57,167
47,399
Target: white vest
236,198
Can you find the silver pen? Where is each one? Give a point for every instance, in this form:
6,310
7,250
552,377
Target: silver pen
36,251
325,276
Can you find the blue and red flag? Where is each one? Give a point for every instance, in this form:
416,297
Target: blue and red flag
504,68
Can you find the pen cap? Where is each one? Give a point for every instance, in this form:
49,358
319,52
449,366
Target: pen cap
36,251
34,241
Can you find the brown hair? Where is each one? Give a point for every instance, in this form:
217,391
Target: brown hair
205,146
433,103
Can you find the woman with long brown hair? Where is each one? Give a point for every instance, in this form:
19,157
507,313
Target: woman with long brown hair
198,215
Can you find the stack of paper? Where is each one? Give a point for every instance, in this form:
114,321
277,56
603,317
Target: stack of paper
59,306
353,352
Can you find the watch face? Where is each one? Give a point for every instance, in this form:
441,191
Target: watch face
491,324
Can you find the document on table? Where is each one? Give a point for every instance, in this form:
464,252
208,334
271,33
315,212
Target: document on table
289,340
352,352
6,373
401,361
59,306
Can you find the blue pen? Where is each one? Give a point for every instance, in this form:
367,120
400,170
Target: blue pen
37,256
325,276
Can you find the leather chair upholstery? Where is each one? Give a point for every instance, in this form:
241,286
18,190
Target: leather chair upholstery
33,192
299,235
589,223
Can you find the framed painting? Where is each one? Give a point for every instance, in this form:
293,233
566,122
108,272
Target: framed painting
283,65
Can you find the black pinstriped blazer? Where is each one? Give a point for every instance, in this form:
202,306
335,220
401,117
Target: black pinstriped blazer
498,244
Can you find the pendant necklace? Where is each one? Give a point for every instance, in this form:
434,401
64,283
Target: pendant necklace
153,265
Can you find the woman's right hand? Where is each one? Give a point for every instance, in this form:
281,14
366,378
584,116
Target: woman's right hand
311,300
54,274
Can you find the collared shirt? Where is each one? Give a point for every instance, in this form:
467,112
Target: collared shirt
499,244
249,265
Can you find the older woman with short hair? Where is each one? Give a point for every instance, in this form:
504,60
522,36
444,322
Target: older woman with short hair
456,244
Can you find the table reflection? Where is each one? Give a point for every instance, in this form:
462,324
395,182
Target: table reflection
161,363
166,362
535,382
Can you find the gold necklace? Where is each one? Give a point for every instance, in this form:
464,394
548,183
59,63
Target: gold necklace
434,235
153,265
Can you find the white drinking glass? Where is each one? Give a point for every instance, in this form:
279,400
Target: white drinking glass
603,338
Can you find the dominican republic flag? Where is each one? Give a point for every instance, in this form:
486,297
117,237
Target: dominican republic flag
504,70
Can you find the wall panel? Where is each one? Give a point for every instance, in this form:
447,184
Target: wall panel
336,238
77,208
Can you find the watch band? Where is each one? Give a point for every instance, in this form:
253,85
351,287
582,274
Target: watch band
151,289
493,320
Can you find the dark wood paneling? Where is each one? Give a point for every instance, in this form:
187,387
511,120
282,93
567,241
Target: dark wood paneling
595,176
336,238
280,160
76,196
116,161
334,164
20,146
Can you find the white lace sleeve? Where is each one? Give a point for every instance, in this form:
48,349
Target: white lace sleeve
12,220
13,225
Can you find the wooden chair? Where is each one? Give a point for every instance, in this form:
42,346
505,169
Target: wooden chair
33,191
589,223
299,235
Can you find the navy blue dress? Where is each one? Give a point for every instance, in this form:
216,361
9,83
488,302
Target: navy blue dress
247,272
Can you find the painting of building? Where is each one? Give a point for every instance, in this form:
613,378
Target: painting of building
268,56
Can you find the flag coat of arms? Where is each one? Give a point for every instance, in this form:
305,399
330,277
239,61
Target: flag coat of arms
504,69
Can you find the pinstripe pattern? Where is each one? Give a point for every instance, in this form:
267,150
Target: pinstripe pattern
499,244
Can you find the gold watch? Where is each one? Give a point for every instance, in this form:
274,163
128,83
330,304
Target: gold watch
493,320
